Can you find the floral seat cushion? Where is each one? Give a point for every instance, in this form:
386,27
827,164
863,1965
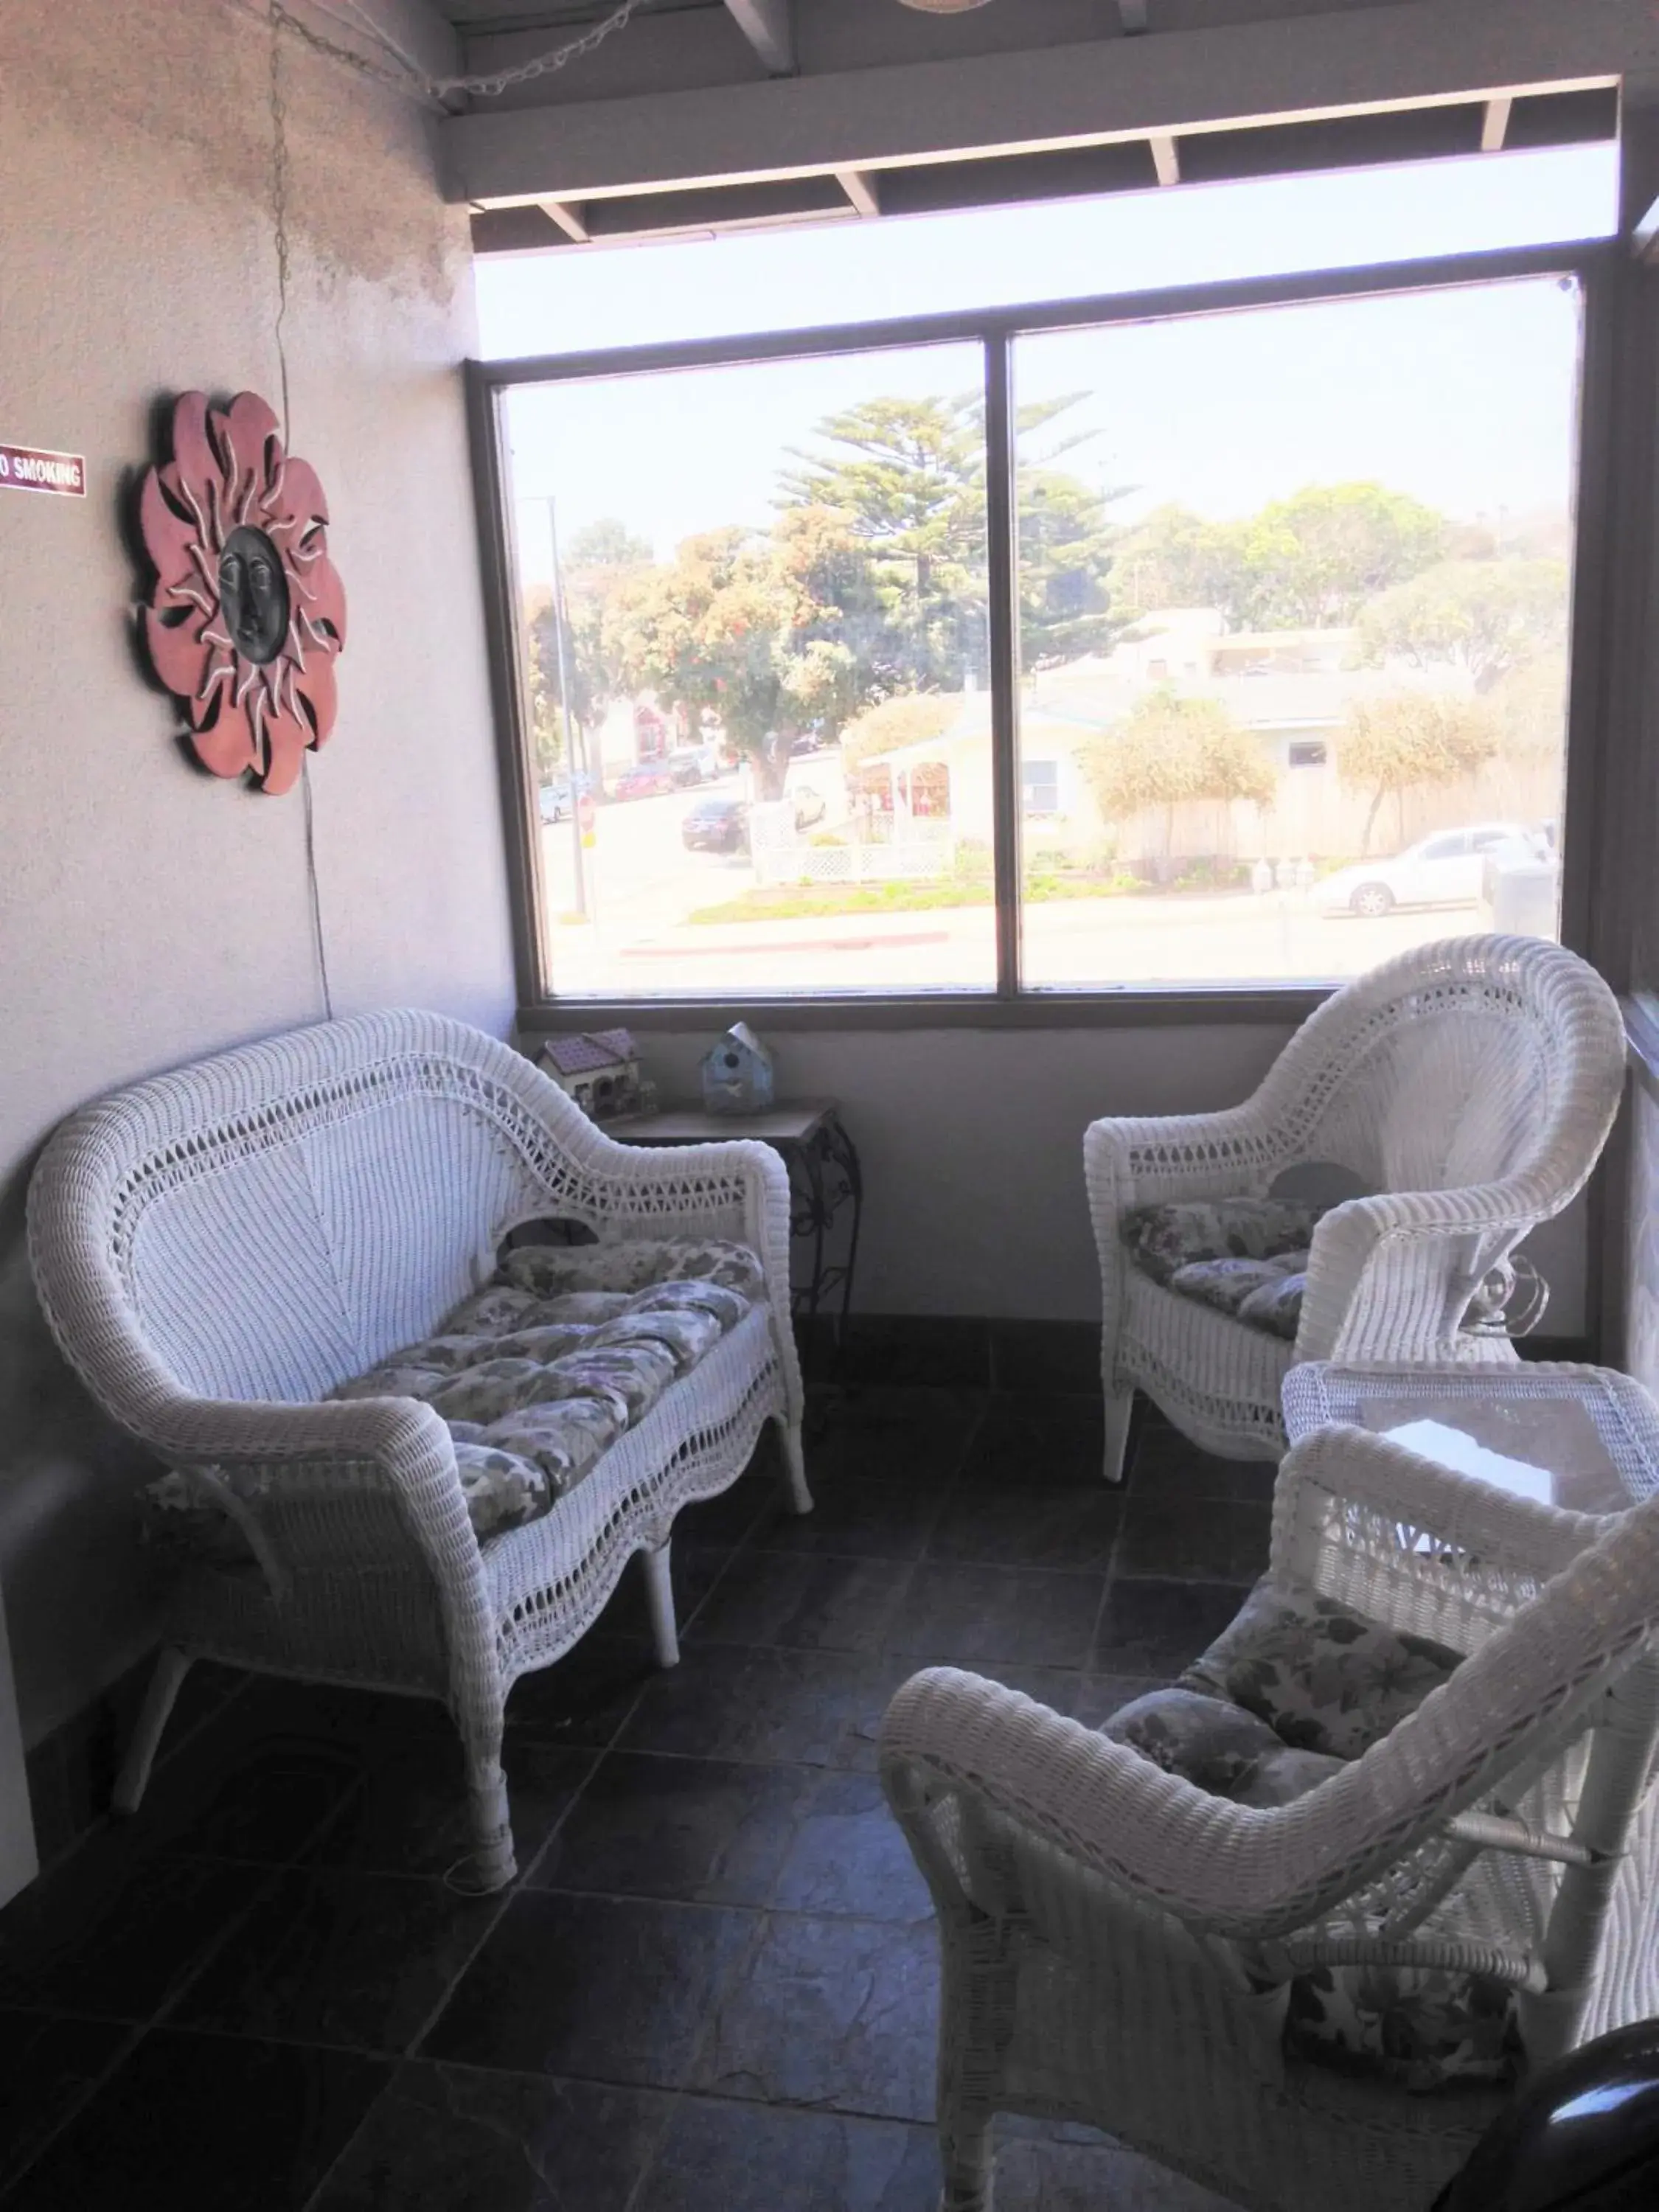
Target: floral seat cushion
1298,1686
1244,1256
535,1375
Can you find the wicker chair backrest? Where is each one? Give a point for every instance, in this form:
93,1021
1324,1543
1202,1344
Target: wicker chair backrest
266,1223
1455,1065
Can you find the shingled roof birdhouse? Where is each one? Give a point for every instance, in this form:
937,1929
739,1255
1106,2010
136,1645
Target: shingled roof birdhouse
598,1068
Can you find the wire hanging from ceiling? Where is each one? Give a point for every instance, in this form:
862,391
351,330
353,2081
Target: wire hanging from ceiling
279,183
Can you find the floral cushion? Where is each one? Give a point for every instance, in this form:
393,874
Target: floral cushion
1245,1256
1277,1306
536,1375
1423,2027
1296,1686
1218,1747
1267,1293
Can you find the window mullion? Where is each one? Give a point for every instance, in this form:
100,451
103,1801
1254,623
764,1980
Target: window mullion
1002,572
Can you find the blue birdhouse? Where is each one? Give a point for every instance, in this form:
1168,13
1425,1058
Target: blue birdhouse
737,1073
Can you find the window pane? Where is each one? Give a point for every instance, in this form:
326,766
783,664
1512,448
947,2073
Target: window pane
761,591
1295,587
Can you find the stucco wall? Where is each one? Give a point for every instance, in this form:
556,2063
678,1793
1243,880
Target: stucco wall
150,912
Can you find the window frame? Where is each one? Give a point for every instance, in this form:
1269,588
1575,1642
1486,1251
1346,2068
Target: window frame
1597,266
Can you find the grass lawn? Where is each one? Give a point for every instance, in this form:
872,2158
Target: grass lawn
799,902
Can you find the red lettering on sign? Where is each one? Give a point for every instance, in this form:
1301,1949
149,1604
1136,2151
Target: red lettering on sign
26,468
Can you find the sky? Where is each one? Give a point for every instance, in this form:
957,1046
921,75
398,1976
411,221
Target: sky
1467,400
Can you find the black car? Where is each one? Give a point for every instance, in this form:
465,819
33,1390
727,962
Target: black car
716,825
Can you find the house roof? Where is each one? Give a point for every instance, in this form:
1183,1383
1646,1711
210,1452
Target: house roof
588,1052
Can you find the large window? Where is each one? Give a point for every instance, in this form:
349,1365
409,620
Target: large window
752,601
1210,640
1295,593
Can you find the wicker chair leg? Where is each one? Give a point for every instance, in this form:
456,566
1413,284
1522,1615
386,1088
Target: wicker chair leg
171,1665
795,1465
1120,1406
492,1865
660,1600
966,2153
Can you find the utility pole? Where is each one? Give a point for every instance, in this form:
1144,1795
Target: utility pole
574,738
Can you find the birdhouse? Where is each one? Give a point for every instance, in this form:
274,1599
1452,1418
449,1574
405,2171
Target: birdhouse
599,1069
737,1073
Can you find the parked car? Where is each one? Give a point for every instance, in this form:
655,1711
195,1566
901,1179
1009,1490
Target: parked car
686,768
555,798
650,780
715,825
1445,870
809,806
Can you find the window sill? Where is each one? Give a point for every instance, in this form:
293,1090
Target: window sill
1127,1009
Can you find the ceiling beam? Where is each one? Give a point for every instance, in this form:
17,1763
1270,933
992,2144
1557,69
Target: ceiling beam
568,218
1495,124
1406,54
770,30
863,190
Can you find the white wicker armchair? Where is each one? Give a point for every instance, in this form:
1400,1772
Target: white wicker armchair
1108,1928
1472,1084
218,1248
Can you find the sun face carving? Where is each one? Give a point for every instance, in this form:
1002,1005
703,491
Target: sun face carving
248,613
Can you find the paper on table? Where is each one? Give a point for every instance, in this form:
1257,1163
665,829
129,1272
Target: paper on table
1451,1448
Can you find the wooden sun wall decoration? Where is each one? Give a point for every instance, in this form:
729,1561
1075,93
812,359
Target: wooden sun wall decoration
248,613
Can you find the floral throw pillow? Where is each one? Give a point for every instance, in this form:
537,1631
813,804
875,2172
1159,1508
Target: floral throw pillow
1322,1676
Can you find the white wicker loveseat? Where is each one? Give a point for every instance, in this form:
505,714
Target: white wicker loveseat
1122,1948
1467,1087
219,1248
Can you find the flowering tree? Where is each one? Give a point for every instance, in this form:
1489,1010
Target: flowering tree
1168,750
1411,739
744,625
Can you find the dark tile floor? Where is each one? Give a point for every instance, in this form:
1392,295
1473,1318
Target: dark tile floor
712,1986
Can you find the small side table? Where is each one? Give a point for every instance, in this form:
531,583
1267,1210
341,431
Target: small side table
825,1180
1584,1440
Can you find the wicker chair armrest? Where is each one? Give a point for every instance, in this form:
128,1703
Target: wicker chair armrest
1519,1542
1391,1276
406,1444
409,1452
396,1433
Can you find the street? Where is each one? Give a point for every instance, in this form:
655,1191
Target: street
637,941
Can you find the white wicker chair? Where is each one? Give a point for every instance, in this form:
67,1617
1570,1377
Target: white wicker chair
1472,1083
217,1248
1095,1914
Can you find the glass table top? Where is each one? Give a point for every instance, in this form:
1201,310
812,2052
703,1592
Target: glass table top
1584,1440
